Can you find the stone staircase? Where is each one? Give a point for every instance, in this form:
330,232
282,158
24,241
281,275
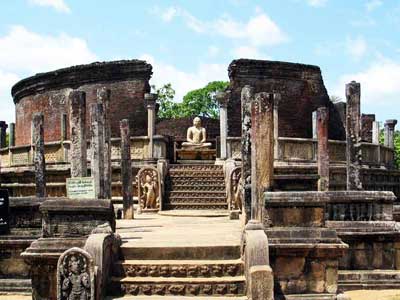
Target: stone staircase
179,272
196,186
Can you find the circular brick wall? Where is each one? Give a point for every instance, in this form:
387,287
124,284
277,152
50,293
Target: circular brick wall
48,93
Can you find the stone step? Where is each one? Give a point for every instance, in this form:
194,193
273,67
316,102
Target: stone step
196,194
196,181
197,200
183,253
195,173
15,286
196,187
369,279
181,268
196,167
222,205
129,297
161,286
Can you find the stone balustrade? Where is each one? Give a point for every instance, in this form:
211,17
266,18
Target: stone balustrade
58,152
360,206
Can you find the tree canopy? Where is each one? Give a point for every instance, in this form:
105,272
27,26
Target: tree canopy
201,102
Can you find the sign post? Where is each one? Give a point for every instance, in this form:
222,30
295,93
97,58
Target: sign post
81,188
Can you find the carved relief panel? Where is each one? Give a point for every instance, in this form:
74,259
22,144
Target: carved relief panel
149,189
235,194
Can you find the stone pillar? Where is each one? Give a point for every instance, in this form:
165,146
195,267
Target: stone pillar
77,127
63,127
11,137
3,134
103,97
150,99
38,156
314,125
277,99
353,136
97,147
262,152
247,96
126,169
375,132
223,98
389,133
323,154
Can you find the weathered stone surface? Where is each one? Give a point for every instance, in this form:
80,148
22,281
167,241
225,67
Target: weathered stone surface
12,135
353,136
64,217
75,275
149,183
247,95
223,99
261,282
262,151
38,159
97,147
3,134
367,121
126,170
103,97
127,80
77,118
389,133
323,153
150,99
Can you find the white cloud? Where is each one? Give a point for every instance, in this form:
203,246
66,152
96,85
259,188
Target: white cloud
213,51
58,5
182,81
24,53
259,30
248,52
169,14
6,103
317,3
380,89
356,47
29,52
373,4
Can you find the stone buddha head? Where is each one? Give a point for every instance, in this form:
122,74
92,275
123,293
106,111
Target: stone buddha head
197,122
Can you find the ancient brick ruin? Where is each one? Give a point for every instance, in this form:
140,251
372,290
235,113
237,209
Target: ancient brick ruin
286,196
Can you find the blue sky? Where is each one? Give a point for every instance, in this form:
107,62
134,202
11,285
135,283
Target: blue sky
190,43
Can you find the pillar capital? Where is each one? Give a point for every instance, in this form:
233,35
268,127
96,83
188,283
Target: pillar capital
391,123
223,98
150,100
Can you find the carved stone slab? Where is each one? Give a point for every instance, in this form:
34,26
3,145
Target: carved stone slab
149,189
4,212
235,193
75,275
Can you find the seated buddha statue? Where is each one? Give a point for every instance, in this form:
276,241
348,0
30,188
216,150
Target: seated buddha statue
196,136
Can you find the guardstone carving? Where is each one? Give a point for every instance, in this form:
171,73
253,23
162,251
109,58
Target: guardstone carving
235,190
75,276
149,189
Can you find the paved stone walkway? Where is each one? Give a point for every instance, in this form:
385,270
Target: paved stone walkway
166,231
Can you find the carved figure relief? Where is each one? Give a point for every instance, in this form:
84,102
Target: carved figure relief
75,276
235,194
149,189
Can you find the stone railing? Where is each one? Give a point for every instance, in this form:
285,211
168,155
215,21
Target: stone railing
359,206
301,150
58,152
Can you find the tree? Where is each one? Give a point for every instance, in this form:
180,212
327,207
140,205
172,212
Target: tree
396,146
335,99
200,102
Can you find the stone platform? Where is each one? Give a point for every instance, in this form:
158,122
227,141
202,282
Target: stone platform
169,257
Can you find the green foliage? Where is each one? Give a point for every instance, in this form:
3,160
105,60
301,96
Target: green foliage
200,102
396,146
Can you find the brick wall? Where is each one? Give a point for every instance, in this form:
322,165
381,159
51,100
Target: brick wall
48,93
302,91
